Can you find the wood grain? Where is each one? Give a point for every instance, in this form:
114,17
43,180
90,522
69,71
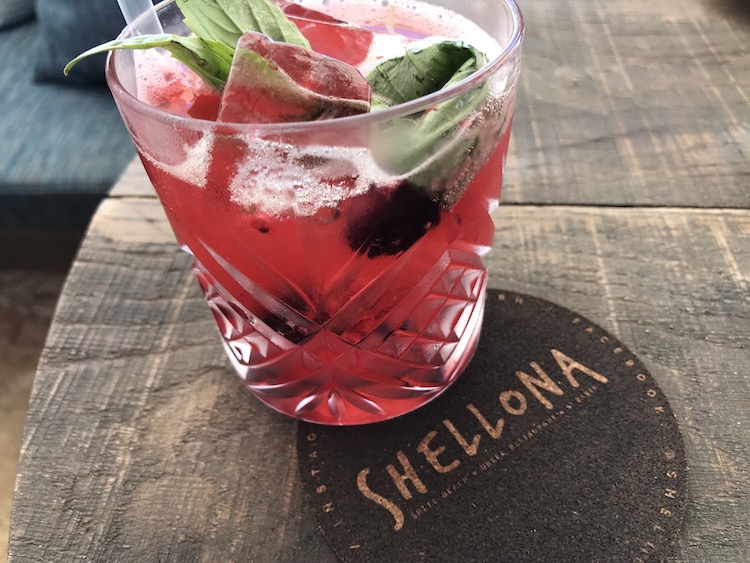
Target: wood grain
637,102
133,182
141,444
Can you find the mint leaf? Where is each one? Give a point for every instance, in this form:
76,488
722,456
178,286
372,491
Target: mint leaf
225,21
208,59
434,144
423,71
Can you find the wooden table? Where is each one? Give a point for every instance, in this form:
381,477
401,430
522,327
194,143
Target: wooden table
626,199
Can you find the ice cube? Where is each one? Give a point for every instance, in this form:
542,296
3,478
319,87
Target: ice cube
205,106
386,224
329,36
167,84
278,83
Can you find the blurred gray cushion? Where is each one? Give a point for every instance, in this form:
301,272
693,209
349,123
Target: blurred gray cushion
62,147
70,27
14,11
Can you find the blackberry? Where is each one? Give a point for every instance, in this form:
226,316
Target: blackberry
292,334
388,223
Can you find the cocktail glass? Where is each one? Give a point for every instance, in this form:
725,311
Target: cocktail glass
346,289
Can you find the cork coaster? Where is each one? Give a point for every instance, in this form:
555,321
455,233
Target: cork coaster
555,445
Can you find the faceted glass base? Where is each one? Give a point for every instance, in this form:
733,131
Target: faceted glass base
403,363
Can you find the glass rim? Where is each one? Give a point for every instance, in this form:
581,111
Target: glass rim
512,46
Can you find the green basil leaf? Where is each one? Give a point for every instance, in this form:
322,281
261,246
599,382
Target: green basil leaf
208,59
423,71
225,21
435,132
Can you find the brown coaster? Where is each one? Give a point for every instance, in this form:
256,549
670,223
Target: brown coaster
555,445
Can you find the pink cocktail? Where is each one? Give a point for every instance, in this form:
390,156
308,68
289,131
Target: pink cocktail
346,290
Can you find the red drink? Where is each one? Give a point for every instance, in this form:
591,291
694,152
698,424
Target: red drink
344,293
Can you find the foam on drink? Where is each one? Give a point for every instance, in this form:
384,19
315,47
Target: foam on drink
279,176
193,167
276,177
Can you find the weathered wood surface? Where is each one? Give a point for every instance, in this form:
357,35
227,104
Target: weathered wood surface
141,444
627,196
633,102
133,182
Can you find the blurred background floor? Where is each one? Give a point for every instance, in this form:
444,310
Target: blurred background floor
33,266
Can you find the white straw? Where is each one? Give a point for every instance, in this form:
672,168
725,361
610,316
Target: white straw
142,13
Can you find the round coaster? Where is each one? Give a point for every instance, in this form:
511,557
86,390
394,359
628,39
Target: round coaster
555,445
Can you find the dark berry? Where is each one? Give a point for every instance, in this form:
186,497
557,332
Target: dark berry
384,223
292,334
